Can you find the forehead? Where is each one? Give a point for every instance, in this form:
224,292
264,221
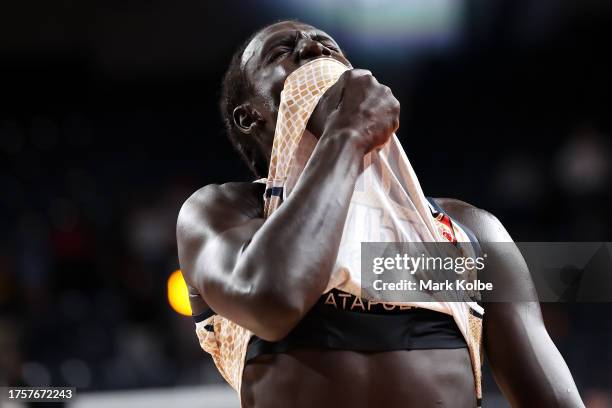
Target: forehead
272,32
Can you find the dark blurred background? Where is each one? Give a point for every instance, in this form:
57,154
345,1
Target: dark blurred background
109,121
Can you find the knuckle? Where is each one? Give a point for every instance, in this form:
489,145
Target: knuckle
395,106
355,74
362,79
348,74
365,76
361,72
388,94
346,77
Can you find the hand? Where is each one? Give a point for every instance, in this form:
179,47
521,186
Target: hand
359,104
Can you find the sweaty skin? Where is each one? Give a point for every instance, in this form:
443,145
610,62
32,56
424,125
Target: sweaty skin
224,247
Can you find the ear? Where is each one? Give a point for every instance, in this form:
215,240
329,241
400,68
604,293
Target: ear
246,118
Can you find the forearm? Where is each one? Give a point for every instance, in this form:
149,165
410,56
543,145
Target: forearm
265,275
290,259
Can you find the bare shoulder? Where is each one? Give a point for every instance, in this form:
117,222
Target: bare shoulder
234,194
486,226
216,206
505,266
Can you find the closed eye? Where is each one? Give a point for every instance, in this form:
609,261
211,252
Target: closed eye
278,52
287,45
331,47
327,42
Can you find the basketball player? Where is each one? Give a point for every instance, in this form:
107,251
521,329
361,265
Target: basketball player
310,350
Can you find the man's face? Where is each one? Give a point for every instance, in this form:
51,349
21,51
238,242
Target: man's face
275,53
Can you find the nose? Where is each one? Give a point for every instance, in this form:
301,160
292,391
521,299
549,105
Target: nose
311,49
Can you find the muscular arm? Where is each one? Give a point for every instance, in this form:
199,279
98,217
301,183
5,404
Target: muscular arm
526,364
265,276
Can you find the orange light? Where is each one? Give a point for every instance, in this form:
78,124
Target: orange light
178,295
